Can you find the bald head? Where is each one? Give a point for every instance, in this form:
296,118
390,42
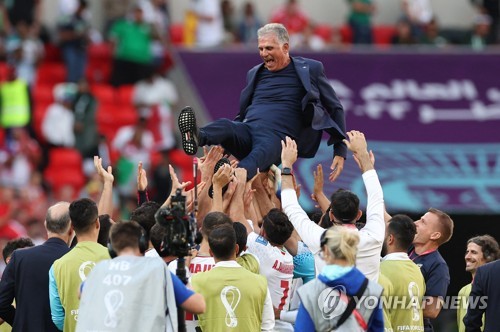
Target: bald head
57,219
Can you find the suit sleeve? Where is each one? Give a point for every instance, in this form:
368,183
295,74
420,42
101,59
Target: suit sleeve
473,320
7,291
332,105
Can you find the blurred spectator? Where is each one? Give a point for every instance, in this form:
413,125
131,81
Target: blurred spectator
9,206
292,17
161,178
419,14
155,13
19,159
135,144
114,11
4,20
154,98
73,39
432,35
249,24
85,127
480,33
309,40
14,102
209,22
360,21
24,52
58,123
403,35
132,55
29,11
229,21
492,9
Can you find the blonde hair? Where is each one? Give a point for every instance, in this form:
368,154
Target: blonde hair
342,242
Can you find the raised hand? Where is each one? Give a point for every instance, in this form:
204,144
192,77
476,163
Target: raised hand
142,180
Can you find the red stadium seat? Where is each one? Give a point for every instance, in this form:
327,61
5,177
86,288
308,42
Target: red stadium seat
125,94
52,53
39,111
3,71
382,34
346,34
324,31
177,33
51,73
112,116
104,93
43,93
64,168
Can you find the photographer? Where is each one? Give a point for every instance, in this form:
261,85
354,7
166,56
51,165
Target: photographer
133,293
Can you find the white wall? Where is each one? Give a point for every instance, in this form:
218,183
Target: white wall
451,13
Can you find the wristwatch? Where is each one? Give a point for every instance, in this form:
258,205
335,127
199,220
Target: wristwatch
286,171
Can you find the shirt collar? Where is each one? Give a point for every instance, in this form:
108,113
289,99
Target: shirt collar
227,264
396,256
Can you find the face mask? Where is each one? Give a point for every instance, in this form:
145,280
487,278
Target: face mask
335,271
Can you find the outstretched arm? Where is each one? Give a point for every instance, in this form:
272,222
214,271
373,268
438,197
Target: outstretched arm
105,205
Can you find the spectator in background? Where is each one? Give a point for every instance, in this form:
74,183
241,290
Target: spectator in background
490,8
210,25
73,38
480,250
26,277
15,103
403,34
114,11
29,11
293,18
248,25
432,36
228,18
132,40
480,33
85,126
419,13
134,144
154,97
58,123
155,13
360,21
4,22
24,52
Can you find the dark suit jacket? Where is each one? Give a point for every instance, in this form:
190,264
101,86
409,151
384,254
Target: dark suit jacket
322,108
485,284
26,278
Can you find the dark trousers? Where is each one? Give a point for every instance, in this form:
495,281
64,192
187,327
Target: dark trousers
255,146
75,59
127,72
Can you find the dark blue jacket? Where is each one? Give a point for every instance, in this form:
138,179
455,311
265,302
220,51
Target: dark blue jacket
322,108
484,298
26,278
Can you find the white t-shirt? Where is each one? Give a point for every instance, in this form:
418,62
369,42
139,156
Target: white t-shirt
277,266
57,126
198,264
371,236
208,33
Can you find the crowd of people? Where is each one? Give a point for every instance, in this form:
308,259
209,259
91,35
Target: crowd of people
261,261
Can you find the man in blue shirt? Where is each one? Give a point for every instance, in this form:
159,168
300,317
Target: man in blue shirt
132,292
433,229
284,96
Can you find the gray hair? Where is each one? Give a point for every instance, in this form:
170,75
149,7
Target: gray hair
276,29
57,219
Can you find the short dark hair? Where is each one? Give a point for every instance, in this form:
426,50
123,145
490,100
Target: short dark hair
277,227
157,234
344,206
241,235
57,223
213,220
489,246
403,229
83,213
222,241
445,224
13,245
125,234
145,215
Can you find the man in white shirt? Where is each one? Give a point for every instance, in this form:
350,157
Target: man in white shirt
371,235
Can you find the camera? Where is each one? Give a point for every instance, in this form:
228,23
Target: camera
180,228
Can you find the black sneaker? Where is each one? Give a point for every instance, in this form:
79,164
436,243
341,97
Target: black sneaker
189,130
219,164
